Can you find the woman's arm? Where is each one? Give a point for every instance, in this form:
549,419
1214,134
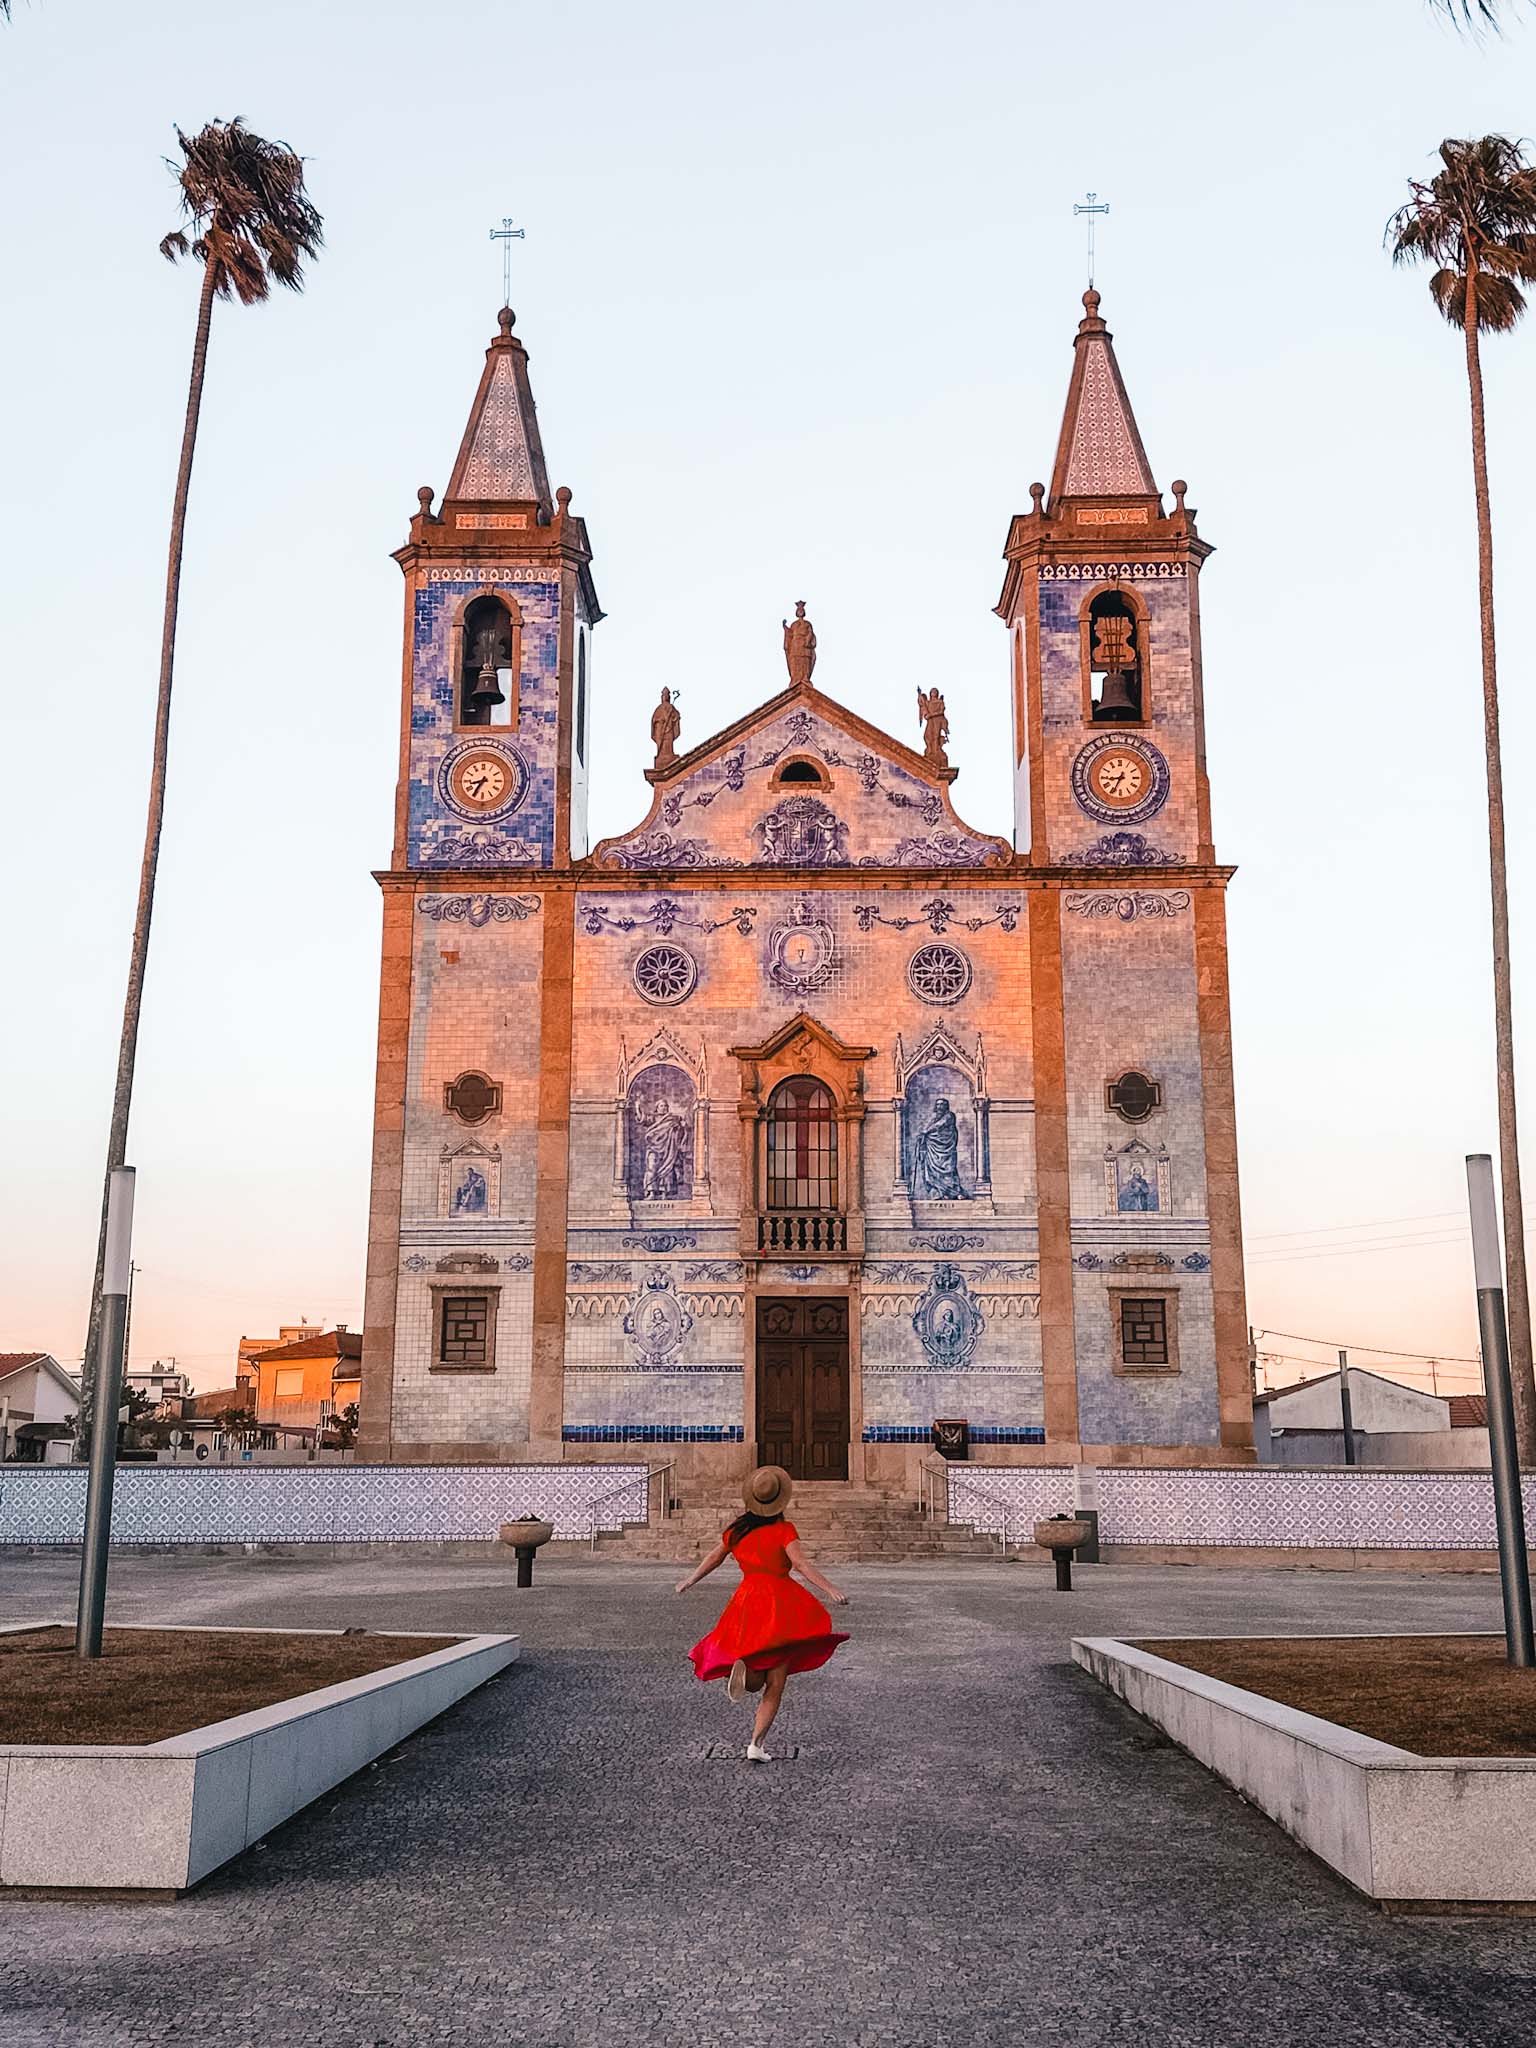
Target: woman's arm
711,1563
807,1570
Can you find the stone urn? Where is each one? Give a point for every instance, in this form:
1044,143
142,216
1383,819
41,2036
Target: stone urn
1060,1536
525,1535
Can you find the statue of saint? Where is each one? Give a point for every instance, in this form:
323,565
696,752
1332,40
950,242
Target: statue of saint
666,724
663,1144
937,1160
930,709
799,646
1138,1192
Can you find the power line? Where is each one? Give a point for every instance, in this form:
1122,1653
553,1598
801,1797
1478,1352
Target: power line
1375,1350
1373,1223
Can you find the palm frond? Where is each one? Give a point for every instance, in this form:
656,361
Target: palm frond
1475,218
245,197
1475,14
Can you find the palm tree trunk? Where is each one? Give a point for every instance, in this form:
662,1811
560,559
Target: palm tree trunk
122,1098
1516,1289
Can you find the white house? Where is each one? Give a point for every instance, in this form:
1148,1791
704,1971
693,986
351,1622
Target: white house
39,1403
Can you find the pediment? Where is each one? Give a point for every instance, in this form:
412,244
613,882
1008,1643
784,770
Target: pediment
814,1034
875,803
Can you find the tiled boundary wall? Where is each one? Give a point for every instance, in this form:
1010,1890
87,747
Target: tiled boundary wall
1241,1508
321,1504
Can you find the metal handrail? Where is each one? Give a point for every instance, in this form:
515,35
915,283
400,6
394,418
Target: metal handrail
993,1500
597,1500
929,1471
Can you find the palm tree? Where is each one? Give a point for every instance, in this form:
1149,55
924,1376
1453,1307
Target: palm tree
1474,14
249,222
1476,221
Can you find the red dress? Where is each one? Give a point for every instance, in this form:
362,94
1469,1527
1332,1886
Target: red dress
770,1620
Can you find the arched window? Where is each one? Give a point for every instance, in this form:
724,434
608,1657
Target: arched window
488,663
802,771
1115,678
802,1146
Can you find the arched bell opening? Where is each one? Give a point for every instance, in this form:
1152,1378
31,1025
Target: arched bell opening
489,650
1114,644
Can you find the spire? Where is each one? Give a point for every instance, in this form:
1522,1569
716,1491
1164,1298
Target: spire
501,456
1099,454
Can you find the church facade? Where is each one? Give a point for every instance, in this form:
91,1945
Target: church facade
802,1115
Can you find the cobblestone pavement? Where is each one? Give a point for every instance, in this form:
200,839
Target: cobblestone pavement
975,1846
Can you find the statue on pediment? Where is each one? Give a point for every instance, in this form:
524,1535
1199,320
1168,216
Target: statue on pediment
935,722
666,724
799,646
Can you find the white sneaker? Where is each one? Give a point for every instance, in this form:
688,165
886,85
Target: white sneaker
736,1684
756,1754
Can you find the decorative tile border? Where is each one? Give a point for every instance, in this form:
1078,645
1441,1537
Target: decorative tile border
650,1433
320,1503
1252,1508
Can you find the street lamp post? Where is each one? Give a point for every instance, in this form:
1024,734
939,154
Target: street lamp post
116,1278
1488,1273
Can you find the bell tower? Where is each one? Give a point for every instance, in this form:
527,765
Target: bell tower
1102,605
500,607
1135,1129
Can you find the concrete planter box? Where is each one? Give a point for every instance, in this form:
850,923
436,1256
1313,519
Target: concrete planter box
161,1816
1411,1831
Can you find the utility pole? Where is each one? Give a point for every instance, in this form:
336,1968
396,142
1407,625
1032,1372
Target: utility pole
1346,1411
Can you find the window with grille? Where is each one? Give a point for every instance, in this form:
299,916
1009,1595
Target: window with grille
802,1146
1143,1330
464,1329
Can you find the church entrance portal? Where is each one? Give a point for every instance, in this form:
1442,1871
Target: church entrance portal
802,1386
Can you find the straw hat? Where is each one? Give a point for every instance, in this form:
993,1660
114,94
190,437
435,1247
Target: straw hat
767,1491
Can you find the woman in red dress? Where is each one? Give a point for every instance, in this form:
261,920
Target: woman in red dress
771,1626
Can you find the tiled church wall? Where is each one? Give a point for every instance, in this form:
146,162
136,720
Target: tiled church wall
475,1009
1130,1002
739,988
438,837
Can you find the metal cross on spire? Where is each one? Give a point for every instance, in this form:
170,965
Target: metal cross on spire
506,234
1091,209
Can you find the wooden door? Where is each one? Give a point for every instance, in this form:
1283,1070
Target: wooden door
802,1386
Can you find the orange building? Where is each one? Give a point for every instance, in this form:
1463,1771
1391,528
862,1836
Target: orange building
301,1383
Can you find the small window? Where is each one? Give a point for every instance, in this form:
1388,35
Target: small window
1134,1096
1144,1331
464,1329
288,1383
802,771
472,1097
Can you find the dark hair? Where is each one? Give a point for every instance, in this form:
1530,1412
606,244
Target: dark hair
745,1524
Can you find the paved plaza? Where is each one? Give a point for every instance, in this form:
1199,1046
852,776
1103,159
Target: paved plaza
973,1847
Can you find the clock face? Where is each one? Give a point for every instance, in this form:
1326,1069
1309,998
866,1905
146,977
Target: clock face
481,781
1120,780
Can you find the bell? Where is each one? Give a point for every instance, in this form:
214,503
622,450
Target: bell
1120,696
487,689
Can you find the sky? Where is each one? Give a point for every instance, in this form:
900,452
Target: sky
799,286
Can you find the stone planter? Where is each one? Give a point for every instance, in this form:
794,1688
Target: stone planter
1061,1534
159,1816
525,1536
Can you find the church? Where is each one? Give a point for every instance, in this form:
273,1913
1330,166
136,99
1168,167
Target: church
801,1115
